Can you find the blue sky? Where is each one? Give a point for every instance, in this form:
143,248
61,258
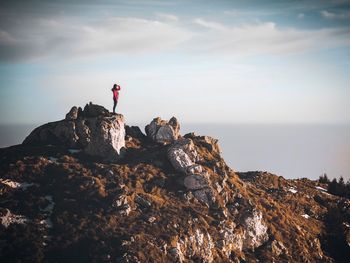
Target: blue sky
202,61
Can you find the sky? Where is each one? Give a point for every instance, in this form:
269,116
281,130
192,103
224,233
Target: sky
201,61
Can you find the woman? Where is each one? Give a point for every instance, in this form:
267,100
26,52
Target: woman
115,91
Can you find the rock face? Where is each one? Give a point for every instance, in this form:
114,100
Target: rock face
95,130
163,132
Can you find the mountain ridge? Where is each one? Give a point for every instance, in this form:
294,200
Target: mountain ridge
163,198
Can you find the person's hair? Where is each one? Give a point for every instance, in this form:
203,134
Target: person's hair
115,86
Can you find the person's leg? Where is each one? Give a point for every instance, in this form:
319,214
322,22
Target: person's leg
114,105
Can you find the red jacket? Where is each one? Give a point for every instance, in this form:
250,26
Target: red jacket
116,92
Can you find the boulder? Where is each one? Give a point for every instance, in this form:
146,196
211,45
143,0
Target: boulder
98,132
94,110
183,155
255,230
106,137
163,132
134,132
179,159
208,142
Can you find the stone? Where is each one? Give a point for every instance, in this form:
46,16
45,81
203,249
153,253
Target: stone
107,137
163,132
94,110
195,182
255,230
72,114
188,146
179,159
97,135
134,132
183,155
211,144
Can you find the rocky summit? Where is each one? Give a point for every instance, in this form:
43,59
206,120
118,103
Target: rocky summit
90,188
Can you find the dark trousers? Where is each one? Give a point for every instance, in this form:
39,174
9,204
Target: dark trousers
115,105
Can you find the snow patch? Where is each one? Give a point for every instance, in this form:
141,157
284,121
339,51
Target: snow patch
10,218
305,216
293,190
321,188
16,185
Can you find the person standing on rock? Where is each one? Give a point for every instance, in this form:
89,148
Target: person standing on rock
115,90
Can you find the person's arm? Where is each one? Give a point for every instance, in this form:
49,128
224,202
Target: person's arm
118,87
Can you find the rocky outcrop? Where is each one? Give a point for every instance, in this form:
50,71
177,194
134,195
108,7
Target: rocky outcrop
183,156
255,230
177,202
163,132
96,131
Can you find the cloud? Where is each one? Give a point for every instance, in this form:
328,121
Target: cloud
332,15
167,17
264,38
65,37
209,24
43,37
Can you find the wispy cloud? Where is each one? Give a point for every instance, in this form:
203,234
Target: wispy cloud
333,15
64,37
67,38
265,38
167,17
210,24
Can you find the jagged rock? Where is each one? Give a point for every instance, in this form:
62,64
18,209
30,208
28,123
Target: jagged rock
182,155
134,131
72,114
208,142
198,245
98,135
255,230
94,110
163,132
179,159
107,137
211,144
195,182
